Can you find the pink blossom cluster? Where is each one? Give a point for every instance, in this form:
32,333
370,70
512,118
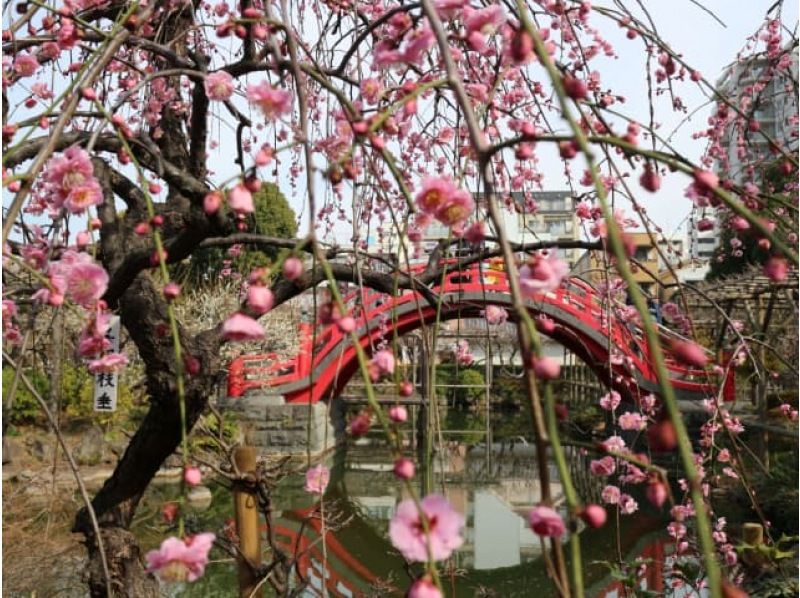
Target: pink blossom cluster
11,333
381,364
442,199
542,274
75,275
462,353
495,315
272,102
68,182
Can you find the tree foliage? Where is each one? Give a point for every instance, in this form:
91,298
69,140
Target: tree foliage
779,190
273,217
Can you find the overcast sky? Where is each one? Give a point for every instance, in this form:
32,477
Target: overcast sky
705,44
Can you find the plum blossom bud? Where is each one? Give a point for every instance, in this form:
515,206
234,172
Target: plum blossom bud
656,491
192,476
776,269
705,180
424,588
594,515
545,325
650,179
292,268
360,424
575,88
661,436
404,468
406,388
546,368
546,522
259,299
346,324
521,46
398,414
212,202
689,352
240,200
171,291
82,239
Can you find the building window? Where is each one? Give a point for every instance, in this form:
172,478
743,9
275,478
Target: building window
642,254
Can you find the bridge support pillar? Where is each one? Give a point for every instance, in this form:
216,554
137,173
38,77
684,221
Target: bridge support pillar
277,428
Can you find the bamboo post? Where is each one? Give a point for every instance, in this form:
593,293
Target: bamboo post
246,513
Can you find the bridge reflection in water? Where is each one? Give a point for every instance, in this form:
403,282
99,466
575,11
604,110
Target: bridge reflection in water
499,553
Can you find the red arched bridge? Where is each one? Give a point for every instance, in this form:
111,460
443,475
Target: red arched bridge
617,351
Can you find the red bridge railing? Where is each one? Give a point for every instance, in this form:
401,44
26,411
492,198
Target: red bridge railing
575,307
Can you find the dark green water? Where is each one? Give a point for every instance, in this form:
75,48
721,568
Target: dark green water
500,556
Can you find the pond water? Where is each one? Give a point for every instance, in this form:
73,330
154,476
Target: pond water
494,490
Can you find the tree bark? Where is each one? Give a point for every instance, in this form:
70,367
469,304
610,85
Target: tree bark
129,578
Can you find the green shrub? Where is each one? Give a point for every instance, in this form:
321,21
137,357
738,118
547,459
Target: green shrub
25,408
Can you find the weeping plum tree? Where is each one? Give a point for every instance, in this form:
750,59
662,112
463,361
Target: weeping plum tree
137,133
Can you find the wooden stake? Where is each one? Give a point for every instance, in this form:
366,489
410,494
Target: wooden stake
246,512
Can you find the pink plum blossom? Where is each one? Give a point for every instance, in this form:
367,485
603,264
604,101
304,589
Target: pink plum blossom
416,44
219,86
610,401
456,209
602,467
317,479
381,364
108,364
632,421
272,102
495,315
435,192
542,274
181,560
476,232
259,299
449,9
546,522
776,269
25,65
407,530
172,290
481,23
610,495
86,282
90,344
613,444
627,505
240,200
240,327
656,492
371,90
